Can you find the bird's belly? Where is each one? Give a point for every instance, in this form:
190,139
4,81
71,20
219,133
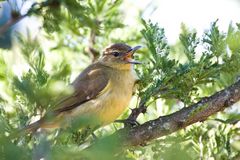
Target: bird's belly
113,107
106,108
109,105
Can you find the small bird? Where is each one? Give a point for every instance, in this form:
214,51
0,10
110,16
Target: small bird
101,92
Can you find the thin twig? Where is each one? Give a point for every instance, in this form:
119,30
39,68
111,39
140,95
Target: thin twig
92,40
10,23
18,17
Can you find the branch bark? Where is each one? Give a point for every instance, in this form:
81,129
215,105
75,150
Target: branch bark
197,112
165,125
92,40
19,17
10,23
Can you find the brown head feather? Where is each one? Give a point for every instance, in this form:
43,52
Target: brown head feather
120,47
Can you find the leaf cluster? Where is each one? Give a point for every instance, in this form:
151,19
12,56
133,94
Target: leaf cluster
168,78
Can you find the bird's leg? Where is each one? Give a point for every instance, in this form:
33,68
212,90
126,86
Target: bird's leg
86,132
80,136
94,136
128,122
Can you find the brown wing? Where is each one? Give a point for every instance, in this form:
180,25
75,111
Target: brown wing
87,86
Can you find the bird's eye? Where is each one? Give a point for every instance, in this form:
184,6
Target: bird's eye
116,54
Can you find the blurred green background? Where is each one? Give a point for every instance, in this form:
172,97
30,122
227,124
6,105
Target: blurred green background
191,50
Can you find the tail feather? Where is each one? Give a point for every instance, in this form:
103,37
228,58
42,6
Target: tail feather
33,127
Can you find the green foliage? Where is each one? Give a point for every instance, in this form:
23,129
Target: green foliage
200,141
171,74
10,151
34,86
75,15
171,79
216,41
233,39
3,69
188,80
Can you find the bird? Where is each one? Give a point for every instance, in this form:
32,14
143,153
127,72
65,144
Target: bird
101,92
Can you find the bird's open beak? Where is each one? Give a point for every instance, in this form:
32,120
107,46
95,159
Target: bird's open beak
128,57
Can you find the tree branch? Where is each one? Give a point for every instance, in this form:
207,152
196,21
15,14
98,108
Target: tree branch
10,23
136,112
197,112
92,40
165,125
16,17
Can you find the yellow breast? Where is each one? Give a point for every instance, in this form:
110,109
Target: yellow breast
118,96
112,101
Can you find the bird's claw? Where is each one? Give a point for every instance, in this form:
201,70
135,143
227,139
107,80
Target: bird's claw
128,122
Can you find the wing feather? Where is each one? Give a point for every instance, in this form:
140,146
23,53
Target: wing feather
87,86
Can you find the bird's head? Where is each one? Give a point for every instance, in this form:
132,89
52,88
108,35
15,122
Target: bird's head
119,55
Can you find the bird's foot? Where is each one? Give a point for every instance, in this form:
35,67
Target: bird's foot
94,136
128,122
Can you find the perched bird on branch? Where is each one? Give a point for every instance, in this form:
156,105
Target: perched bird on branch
101,92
